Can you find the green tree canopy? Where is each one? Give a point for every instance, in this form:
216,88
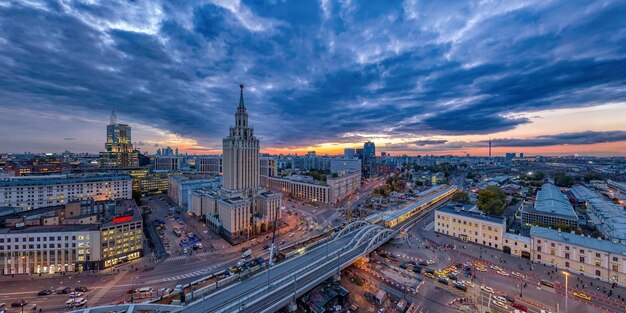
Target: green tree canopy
491,200
460,196
589,176
564,180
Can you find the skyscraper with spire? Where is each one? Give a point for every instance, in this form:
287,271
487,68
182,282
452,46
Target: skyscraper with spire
118,148
242,209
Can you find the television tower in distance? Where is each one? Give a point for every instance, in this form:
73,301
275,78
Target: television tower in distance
489,146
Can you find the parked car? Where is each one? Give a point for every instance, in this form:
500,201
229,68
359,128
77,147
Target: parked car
486,288
81,289
45,292
75,294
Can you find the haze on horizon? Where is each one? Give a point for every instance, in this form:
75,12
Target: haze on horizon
415,77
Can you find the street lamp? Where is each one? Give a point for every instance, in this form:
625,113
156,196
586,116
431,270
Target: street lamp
566,279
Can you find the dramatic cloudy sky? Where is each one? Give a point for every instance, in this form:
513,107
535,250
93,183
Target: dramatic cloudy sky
414,76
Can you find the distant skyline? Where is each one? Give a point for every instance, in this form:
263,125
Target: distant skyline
415,77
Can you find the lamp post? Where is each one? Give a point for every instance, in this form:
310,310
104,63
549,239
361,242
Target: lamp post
566,280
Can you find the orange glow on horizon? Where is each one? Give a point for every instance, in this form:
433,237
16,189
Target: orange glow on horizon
599,149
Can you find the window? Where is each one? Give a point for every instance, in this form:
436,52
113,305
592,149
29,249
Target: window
539,249
615,259
615,268
598,273
567,264
567,255
567,248
597,255
582,259
597,262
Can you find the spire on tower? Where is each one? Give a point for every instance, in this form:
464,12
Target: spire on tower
241,106
113,117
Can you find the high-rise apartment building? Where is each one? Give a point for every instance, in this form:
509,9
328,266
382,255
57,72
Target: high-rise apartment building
118,149
349,153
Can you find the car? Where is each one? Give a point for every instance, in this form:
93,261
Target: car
467,268
417,269
467,283
520,307
508,298
452,276
75,302
75,294
503,273
442,280
131,291
581,295
499,298
481,269
45,292
19,303
486,288
429,275
460,286
64,290
422,263
265,247
520,275
81,289
500,304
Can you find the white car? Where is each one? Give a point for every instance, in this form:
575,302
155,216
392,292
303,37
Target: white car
520,275
74,294
467,283
481,269
500,299
75,302
486,288
500,304
503,273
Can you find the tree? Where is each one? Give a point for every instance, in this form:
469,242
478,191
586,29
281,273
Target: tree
589,176
564,180
460,196
491,200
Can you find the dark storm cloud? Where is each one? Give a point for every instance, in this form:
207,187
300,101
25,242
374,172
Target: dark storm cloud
580,138
314,72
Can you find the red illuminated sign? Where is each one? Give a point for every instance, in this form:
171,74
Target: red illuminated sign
123,219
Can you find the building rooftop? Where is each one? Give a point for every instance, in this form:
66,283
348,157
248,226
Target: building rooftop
582,193
60,179
517,237
451,209
587,242
48,229
551,200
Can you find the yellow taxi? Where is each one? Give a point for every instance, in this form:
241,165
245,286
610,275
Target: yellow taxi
581,295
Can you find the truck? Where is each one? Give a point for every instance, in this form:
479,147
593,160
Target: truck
247,254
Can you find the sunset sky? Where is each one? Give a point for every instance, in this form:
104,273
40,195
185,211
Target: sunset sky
415,77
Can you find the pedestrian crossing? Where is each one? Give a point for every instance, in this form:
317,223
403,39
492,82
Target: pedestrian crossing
204,271
186,256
